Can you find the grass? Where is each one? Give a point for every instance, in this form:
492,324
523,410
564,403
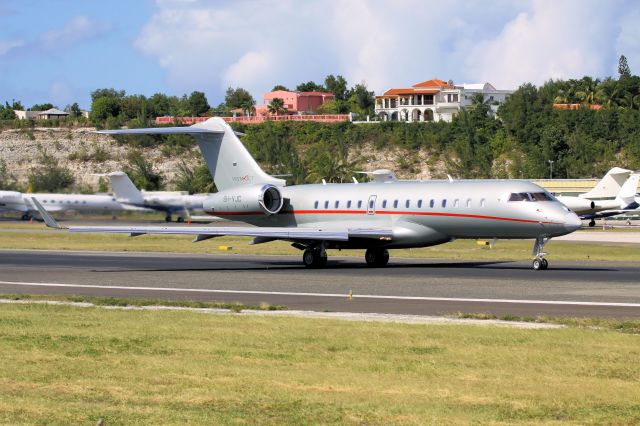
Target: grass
69,365
139,302
457,250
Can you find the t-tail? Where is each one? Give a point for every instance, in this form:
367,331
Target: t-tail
627,196
229,162
124,190
609,186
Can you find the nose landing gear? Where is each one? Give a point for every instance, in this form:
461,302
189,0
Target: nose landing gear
539,262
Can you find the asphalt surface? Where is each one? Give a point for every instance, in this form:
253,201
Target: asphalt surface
406,286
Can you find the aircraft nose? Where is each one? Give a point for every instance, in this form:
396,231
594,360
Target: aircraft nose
572,222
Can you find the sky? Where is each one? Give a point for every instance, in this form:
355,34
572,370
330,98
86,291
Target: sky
59,51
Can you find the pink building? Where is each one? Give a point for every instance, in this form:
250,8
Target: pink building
295,102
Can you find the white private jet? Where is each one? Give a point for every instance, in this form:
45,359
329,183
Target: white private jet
168,202
373,216
613,195
23,203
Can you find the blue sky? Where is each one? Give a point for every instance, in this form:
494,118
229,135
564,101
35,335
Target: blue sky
60,50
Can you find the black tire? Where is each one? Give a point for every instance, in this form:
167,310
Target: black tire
537,264
545,264
180,219
376,257
167,218
25,216
312,258
592,223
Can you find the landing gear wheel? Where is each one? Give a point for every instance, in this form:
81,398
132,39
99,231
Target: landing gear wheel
540,264
313,258
180,219
26,216
376,257
167,218
592,223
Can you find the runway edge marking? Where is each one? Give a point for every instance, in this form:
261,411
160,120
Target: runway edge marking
334,295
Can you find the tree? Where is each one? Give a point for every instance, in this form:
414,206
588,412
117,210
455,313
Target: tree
73,110
336,85
141,172
159,105
6,112
107,93
361,99
41,107
239,98
198,104
623,67
279,87
195,180
309,86
276,106
104,107
48,176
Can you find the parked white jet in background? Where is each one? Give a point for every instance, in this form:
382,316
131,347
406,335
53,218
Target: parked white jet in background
13,201
170,203
615,194
372,216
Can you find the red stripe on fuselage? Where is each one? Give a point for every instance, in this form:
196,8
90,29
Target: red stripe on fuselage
362,212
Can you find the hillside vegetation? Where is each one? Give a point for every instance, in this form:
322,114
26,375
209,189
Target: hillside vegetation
521,142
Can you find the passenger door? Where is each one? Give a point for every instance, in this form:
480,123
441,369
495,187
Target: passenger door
371,204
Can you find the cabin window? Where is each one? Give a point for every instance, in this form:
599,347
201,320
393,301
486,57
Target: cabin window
444,203
482,202
407,204
359,204
84,202
349,204
326,204
384,204
456,203
432,203
75,202
336,204
315,205
468,202
44,201
371,204
419,204
395,204
53,201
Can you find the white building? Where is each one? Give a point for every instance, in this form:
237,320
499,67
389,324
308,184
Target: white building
50,114
434,100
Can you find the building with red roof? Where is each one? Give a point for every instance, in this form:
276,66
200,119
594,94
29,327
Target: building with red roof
434,100
295,102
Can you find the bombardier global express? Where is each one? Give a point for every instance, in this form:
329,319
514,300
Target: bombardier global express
374,216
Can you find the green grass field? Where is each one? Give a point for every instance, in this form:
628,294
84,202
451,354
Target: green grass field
68,365
458,250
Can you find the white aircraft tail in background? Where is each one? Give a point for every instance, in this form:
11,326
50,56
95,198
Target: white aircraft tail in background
610,185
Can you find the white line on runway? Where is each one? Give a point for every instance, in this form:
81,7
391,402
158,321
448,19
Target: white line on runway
335,295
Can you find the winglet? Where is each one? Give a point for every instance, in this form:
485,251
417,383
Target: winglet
50,221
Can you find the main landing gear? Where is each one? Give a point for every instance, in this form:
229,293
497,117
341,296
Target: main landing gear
26,216
179,219
539,262
316,256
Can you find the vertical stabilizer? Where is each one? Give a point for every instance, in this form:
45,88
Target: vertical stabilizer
229,162
124,190
627,195
610,185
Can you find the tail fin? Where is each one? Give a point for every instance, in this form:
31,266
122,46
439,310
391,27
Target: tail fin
610,185
627,195
124,190
230,164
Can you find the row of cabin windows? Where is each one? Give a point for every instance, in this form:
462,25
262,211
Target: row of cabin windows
407,204
62,202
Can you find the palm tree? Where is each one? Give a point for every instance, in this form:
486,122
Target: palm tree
276,106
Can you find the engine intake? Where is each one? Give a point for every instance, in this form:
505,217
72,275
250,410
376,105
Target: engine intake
257,199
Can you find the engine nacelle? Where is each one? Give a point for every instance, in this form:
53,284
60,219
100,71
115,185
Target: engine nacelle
10,197
257,199
577,204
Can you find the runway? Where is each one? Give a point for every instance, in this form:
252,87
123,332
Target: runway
406,286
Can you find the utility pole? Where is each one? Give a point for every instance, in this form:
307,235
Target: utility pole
550,169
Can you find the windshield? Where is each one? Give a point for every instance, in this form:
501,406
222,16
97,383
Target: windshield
530,196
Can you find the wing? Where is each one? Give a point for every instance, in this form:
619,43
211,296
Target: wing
205,232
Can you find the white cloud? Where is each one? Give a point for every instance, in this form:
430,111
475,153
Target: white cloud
567,39
7,46
76,30
209,45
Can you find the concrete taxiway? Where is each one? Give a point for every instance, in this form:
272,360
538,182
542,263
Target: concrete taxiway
406,286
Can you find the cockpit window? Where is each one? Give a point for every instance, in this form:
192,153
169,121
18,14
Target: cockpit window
530,196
